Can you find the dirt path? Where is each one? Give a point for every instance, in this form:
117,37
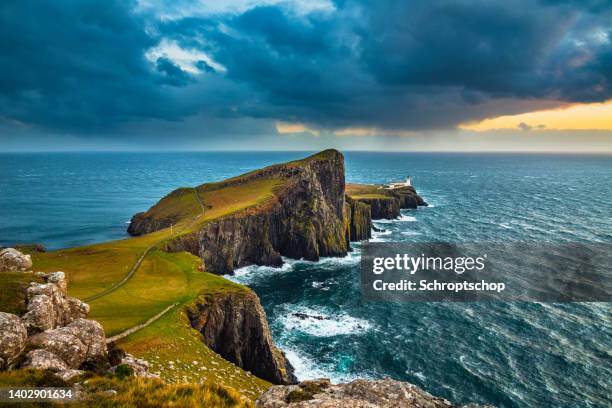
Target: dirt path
134,329
142,257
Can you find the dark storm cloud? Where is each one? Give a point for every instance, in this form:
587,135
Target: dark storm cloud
417,64
81,65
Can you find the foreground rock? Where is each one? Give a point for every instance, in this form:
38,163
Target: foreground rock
13,338
235,326
356,394
49,307
11,260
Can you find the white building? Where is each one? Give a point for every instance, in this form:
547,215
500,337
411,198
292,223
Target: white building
399,184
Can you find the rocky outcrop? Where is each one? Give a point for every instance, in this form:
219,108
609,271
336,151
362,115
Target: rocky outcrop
61,338
385,203
359,220
408,197
49,307
304,220
138,367
13,338
356,394
235,326
383,207
11,260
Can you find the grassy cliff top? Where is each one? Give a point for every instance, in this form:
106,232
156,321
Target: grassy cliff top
129,281
365,191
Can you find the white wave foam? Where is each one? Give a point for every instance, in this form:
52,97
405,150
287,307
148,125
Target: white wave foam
410,233
247,274
406,218
306,369
320,285
319,323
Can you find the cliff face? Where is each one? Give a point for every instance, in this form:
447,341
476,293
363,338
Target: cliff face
358,220
305,219
235,326
385,203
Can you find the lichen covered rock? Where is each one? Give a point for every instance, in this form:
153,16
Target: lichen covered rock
64,343
11,260
356,394
13,338
44,360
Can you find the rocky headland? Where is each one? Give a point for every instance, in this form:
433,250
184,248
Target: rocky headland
308,214
301,209
311,214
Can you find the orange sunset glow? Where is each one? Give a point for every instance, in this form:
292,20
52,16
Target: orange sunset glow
593,116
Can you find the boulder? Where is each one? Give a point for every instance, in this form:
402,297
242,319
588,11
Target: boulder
139,366
13,338
48,307
78,309
385,393
62,342
68,375
91,334
41,314
11,260
43,360
58,279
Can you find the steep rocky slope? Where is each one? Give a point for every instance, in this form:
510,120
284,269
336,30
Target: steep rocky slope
235,326
305,217
385,203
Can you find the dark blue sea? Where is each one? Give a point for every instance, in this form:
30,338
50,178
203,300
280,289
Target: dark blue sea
506,354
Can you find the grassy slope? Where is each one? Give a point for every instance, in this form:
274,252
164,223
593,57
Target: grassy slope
130,392
358,191
161,280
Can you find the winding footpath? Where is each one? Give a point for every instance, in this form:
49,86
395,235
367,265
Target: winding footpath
134,329
131,273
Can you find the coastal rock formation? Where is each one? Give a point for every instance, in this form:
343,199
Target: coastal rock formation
11,260
408,197
356,394
305,219
49,307
13,338
385,203
359,220
60,337
383,207
235,326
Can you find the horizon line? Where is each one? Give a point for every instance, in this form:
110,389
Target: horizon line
552,152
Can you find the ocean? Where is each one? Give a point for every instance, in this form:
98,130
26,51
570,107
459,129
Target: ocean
506,354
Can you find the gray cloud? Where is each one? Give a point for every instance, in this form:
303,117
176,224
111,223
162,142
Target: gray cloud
81,67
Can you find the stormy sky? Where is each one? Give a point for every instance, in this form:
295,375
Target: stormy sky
270,74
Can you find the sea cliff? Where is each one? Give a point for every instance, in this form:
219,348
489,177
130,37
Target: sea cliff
301,210
304,217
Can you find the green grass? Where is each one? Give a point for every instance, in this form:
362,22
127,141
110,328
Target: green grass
12,291
371,196
161,279
131,392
